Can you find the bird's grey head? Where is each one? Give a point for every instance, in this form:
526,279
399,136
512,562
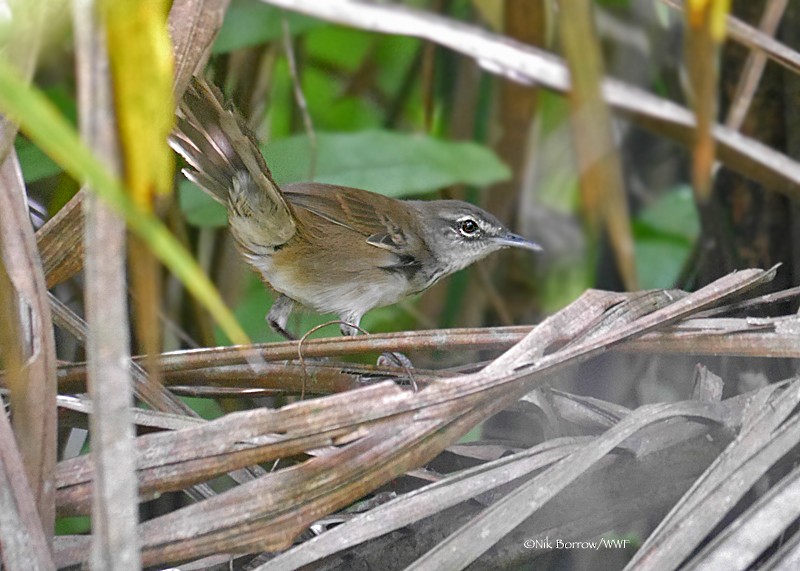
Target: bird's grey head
459,233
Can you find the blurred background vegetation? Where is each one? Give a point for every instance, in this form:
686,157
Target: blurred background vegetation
411,119
404,117
400,116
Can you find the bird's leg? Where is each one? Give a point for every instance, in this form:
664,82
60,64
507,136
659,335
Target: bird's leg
278,317
394,359
350,323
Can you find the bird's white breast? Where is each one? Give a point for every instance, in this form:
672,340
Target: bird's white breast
328,296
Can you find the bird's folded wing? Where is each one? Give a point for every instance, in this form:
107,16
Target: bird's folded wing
378,218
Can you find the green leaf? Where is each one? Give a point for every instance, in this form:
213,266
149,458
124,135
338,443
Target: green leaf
658,263
565,281
393,164
664,233
250,22
35,164
674,213
199,208
338,47
332,108
207,408
73,525
335,101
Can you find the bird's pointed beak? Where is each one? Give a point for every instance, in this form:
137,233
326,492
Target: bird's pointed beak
511,240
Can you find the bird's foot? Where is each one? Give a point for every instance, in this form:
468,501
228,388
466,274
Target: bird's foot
395,359
283,332
278,317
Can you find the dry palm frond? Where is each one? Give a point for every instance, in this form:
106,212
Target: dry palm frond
359,440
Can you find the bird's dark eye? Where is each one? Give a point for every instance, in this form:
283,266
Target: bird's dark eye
468,227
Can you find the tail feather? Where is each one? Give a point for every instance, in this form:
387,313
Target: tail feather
225,161
207,171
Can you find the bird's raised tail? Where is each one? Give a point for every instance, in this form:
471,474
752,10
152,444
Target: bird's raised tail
226,162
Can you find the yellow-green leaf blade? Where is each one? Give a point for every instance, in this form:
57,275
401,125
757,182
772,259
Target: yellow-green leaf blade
44,125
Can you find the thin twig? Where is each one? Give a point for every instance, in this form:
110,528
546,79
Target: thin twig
300,97
314,330
754,67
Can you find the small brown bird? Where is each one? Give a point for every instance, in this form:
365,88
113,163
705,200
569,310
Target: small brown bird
330,248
